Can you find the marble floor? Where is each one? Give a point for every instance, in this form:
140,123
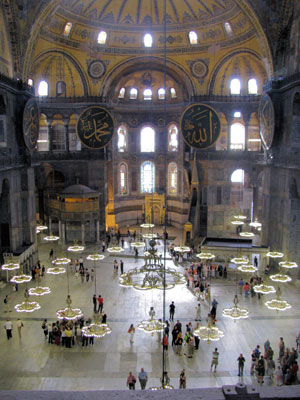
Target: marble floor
30,363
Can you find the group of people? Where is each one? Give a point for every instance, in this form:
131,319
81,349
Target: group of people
143,379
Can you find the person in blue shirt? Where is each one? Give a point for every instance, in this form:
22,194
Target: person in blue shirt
143,378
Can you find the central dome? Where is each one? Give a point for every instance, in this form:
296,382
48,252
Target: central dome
148,13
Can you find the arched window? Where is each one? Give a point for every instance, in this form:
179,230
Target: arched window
43,88
173,93
238,176
133,93
102,37
237,137
60,88
148,40
123,178
121,93
235,86
147,94
172,174
228,29
122,138
252,86
173,138
237,114
161,94
67,29
193,37
29,82
147,177
147,140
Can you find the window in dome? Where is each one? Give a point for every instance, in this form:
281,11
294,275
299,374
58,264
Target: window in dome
161,94
147,140
193,37
43,88
173,93
252,86
67,29
238,176
237,114
228,29
237,137
123,178
30,82
172,174
60,88
235,86
148,40
122,139
172,138
147,94
121,93
147,177
102,37
133,93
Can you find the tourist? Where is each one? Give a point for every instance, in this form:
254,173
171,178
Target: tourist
165,343
131,380
6,302
121,267
260,369
100,303
131,332
279,376
182,380
178,343
8,326
198,312
215,360
281,347
241,362
45,327
19,326
143,378
172,311
95,303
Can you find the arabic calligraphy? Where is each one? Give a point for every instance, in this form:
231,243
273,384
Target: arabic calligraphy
200,126
266,121
31,119
95,127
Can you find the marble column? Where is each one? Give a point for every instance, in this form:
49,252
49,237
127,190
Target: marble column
66,122
83,233
63,232
98,231
59,231
50,226
229,122
50,139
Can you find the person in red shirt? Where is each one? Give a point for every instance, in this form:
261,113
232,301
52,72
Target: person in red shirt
165,342
131,380
100,303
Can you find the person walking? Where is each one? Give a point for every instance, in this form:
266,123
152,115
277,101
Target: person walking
131,380
6,303
241,362
165,342
95,303
182,380
8,326
198,312
121,266
45,327
213,311
281,347
51,254
172,311
131,331
100,303
215,360
143,378
19,326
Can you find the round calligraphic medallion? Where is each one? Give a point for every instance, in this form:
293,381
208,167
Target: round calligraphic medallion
95,127
96,69
199,69
200,126
31,123
266,121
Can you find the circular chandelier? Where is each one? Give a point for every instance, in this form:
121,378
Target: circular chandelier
205,256
264,289
235,312
152,325
239,260
21,279
240,216
162,387
51,238
278,305
288,264
275,254
149,235
182,249
247,268
41,227
55,270
281,278
10,266
61,261
147,226
137,244
237,222
96,330
246,234
209,333
255,224
115,249
39,291
75,248
95,257
69,313
27,306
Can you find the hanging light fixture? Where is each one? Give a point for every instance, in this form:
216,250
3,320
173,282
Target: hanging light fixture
69,313
57,269
147,226
246,234
239,260
247,268
264,289
75,248
278,304
152,325
27,306
10,266
95,257
288,264
208,333
280,278
39,290
237,222
51,238
240,216
182,249
275,254
21,278
255,224
235,312
205,255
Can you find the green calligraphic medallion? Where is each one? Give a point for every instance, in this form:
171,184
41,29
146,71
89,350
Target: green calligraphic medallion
95,127
266,121
31,123
200,126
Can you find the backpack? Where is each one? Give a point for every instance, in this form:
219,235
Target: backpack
5,300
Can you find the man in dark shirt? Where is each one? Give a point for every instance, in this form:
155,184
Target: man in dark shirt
172,311
241,362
